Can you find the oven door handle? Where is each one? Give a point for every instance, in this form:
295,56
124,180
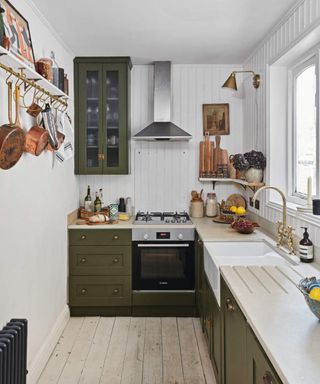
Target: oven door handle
163,245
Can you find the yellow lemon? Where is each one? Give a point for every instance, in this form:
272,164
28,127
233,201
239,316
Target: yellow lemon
315,293
233,209
241,211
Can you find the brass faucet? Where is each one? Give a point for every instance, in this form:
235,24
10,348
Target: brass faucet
284,231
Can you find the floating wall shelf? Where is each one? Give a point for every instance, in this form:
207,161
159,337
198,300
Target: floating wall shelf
30,77
243,183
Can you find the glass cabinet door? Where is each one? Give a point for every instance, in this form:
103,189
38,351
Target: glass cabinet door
102,122
90,104
115,119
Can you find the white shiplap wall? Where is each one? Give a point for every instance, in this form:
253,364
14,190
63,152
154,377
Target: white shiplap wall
299,23
164,173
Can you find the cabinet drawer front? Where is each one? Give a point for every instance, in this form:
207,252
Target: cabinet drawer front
100,237
100,291
100,260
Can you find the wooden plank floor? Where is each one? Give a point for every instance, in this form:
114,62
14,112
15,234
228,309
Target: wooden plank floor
124,350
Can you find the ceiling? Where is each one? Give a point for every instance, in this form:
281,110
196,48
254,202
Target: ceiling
183,31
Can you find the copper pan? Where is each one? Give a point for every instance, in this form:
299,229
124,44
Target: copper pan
36,140
12,137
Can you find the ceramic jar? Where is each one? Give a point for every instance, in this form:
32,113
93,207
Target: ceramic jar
254,175
196,209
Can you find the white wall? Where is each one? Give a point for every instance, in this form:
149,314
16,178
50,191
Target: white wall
163,174
296,31
35,200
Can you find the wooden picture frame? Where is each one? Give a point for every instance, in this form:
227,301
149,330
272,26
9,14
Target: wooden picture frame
216,119
16,28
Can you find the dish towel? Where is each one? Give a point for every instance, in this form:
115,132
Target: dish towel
65,152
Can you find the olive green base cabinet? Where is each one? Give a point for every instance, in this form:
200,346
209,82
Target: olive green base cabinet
234,333
209,311
100,272
259,368
236,355
102,115
244,360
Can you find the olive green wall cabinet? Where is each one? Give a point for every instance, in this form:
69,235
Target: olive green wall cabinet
100,272
102,115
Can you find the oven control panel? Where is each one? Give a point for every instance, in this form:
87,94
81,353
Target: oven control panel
154,234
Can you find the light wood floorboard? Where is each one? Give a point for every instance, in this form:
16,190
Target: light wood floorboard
126,350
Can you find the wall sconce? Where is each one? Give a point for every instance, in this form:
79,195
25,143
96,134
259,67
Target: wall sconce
232,83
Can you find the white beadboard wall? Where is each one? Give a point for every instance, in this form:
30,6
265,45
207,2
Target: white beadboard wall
164,173
296,25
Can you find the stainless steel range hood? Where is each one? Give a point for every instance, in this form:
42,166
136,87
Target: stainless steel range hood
162,128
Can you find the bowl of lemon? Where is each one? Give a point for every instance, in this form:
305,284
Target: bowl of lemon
310,288
238,211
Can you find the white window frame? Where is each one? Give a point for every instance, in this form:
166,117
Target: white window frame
293,73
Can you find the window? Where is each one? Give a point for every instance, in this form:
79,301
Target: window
305,135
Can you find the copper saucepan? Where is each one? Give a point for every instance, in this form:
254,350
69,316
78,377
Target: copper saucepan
12,137
36,140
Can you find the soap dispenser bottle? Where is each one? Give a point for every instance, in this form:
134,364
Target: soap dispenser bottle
306,248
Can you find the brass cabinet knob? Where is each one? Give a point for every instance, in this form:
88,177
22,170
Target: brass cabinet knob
115,237
83,260
83,237
116,260
209,322
229,305
116,290
267,378
83,291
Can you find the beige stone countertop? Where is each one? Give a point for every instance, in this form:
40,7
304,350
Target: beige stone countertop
280,318
210,231
206,228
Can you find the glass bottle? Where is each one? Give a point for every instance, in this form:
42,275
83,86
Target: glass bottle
101,197
97,203
88,201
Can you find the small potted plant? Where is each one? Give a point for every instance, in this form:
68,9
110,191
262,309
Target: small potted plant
241,165
257,163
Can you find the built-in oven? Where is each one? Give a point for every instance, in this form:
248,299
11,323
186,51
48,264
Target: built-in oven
163,260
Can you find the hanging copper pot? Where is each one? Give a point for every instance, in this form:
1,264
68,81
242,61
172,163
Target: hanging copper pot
12,136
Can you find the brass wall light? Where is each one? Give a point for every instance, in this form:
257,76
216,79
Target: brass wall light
232,83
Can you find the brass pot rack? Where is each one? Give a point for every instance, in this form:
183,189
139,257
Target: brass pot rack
31,83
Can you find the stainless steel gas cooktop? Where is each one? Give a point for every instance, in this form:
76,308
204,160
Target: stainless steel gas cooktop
162,218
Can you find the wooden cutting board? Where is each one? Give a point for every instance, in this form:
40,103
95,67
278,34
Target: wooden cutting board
221,156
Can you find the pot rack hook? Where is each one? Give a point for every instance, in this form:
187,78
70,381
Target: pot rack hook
8,77
19,81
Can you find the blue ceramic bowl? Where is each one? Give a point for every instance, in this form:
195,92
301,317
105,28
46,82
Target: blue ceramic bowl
305,286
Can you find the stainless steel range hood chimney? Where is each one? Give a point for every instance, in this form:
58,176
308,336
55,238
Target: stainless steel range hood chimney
162,128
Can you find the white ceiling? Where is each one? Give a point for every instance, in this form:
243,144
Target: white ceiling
184,31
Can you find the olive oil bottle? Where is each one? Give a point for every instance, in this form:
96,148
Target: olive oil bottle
97,203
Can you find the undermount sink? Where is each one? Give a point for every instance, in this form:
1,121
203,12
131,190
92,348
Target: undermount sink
217,254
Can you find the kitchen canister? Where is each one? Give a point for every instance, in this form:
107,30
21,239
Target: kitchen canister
114,210
316,207
129,206
196,208
211,205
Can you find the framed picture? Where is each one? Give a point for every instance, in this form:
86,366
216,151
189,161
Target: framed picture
16,28
216,119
